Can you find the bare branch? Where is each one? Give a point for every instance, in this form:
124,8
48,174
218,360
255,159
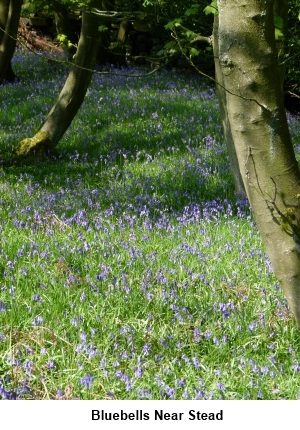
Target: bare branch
294,95
119,16
197,38
96,72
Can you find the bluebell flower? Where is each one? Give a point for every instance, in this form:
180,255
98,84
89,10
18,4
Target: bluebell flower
180,383
296,367
139,372
28,365
128,384
196,362
260,395
87,381
50,365
38,321
146,349
221,386
37,298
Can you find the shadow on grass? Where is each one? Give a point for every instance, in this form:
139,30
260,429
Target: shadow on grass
164,190
104,152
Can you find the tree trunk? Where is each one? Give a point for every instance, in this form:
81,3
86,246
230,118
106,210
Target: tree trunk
222,96
123,31
4,7
72,94
257,119
104,54
10,11
62,25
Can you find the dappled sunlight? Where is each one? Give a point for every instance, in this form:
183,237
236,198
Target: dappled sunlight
128,268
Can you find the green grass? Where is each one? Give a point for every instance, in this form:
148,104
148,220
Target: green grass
128,258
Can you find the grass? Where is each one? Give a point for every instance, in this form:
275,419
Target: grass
128,269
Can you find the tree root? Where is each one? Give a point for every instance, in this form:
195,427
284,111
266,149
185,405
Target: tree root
38,144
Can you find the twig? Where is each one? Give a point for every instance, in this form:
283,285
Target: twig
294,95
69,63
213,79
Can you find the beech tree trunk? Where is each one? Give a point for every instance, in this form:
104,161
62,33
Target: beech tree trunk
256,114
222,96
72,94
10,11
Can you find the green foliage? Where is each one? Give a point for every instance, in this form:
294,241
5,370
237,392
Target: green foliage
64,42
170,25
193,10
47,7
186,29
194,52
212,8
278,22
103,28
170,49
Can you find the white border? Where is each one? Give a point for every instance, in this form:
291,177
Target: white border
76,414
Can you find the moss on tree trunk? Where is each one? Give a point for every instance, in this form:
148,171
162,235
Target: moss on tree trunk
40,143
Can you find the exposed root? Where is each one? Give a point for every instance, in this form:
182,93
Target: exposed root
38,144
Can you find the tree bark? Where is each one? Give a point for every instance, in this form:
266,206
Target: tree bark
72,94
4,7
257,118
104,54
62,25
222,96
10,11
123,31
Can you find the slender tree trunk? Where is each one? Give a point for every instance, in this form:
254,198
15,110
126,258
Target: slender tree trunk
104,54
222,96
4,7
123,31
72,94
10,11
63,27
257,118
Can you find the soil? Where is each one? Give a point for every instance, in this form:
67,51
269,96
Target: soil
34,40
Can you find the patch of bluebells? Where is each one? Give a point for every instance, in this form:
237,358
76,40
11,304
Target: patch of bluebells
103,232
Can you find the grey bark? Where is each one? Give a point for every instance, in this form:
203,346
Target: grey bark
222,96
257,118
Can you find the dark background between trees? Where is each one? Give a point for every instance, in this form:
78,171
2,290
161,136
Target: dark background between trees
138,34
